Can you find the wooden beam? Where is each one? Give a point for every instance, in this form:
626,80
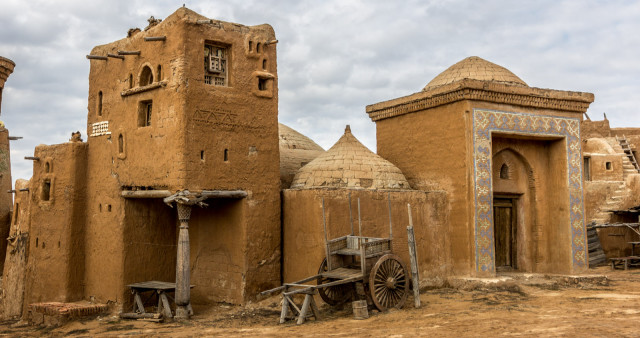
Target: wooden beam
115,56
155,38
204,21
125,52
97,57
143,89
14,138
145,193
224,193
32,158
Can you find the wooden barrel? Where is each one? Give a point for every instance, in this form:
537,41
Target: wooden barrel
360,310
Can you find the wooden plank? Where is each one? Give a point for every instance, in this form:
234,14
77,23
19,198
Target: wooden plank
166,306
413,256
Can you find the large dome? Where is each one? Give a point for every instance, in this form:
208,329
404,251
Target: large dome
296,150
475,68
349,164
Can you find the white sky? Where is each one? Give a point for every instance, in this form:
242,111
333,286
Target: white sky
334,57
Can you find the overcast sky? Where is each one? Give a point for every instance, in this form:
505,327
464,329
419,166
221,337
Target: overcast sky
334,57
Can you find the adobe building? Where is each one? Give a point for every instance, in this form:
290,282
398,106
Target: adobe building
509,158
188,105
6,199
611,183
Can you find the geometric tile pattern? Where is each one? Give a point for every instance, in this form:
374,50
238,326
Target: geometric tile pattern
485,122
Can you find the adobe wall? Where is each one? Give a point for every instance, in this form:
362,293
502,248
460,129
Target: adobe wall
303,236
432,151
592,129
13,275
57,210
6,202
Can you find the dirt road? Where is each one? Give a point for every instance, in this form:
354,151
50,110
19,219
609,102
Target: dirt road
539,306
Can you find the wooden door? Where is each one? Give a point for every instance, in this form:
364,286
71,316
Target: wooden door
504,231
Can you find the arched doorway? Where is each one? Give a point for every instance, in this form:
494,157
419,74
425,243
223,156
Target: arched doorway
513,203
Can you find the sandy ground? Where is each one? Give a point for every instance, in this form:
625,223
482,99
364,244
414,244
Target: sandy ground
531,306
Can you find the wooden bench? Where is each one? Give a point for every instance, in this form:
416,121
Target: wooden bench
625,262
161,289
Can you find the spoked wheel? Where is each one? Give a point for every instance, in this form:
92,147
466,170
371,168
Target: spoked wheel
389,282
334,295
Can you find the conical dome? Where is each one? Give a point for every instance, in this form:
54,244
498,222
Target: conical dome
296,150
475,68
349,164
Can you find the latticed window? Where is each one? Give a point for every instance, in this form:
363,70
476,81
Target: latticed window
216,62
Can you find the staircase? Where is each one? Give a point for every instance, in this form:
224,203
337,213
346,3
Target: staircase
629,163
612,203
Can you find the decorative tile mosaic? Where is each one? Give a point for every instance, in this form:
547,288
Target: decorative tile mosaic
485,122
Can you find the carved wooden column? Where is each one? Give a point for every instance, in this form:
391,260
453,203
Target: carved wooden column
183,272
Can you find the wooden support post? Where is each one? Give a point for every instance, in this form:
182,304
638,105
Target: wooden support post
139,304
413,256
284,313
359,220
326,244
390,224
183,279
350,214
155,38
166,306
97,57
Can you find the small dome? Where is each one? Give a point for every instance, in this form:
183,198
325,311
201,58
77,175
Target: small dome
296,150
475,68
349,164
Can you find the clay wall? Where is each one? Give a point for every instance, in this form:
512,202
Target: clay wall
432,151
605,167
625,132
6,202
140,152
218,241
590,129
13,276
303,235
57,210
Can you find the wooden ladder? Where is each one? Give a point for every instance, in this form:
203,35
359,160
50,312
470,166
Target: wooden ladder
627,150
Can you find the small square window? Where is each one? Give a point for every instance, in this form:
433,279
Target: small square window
608,165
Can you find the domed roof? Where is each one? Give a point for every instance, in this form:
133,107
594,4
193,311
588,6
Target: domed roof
475,68
349,164
296,150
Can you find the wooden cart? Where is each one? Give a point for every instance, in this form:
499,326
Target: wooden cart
354,267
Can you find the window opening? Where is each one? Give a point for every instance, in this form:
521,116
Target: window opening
264,64
130,80
120,144
216,65
608,165
109,207
100,103
258,47
47,167
250,45
145,111
202,155
262,84
504,172
159,73
226,155
100,207
46,190
146,76
36,242
586,168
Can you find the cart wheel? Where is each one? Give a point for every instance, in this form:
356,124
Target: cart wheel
388,282
334,295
